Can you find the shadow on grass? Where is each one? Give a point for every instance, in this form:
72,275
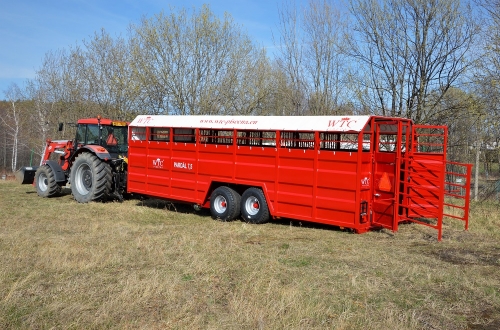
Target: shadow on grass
162,204
64,192
188,209
311,225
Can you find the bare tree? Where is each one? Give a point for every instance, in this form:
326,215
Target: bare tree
107,74
248,84
12,121
487,74
194,63
4,107
412,49
59,88
46,91
310,54
325,62
290,59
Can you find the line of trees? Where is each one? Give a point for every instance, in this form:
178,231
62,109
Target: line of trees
434,61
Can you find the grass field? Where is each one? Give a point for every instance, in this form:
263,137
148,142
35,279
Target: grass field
155,265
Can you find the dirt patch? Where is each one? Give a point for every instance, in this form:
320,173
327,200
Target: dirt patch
458,256
488,319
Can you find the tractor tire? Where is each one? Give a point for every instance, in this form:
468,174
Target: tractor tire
91,178
225,204
45,182
254,207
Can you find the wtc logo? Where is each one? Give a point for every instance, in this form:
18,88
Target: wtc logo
345,122
145,120
365,182
157,163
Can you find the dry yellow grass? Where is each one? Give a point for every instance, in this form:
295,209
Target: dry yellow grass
154,265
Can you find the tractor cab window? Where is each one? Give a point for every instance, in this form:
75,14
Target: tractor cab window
115,138
92,134
109,136
87,134
81,132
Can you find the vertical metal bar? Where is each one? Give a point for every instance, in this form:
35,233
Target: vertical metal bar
357,214
373,150
467,196
315,173
442,181
277,154
397,174
235,148
405,161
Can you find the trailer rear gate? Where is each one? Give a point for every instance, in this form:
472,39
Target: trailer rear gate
359,172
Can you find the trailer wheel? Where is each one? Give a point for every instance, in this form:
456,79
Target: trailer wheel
45,182
225,204
254,207
91,178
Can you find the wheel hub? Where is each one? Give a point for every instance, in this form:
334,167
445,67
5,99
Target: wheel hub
220,204
43,182
83,179
252,205
87,178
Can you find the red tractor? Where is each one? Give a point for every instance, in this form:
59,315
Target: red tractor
94,163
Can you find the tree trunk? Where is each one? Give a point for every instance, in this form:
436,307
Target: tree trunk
15,144
5,150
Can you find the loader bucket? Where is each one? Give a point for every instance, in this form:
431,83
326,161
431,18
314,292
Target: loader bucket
26,175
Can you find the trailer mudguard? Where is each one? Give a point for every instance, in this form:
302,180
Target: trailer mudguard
58,171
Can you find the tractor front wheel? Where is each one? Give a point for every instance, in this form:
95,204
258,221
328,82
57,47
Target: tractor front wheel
91,178
45,182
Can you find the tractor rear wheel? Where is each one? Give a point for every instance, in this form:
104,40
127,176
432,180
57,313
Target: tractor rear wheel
91,178
45,182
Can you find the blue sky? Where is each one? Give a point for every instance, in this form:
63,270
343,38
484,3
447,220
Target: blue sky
31,28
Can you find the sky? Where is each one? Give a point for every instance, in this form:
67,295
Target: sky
29,29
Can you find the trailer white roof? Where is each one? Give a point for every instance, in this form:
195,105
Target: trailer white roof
286,123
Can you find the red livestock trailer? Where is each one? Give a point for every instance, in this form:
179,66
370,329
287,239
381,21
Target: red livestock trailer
358,172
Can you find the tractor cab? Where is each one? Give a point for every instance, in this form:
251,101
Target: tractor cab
109,134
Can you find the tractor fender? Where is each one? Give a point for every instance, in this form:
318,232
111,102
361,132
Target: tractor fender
58,171
100,152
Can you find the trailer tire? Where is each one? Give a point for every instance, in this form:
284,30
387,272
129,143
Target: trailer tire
225,204
254,207
91,178
45,182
